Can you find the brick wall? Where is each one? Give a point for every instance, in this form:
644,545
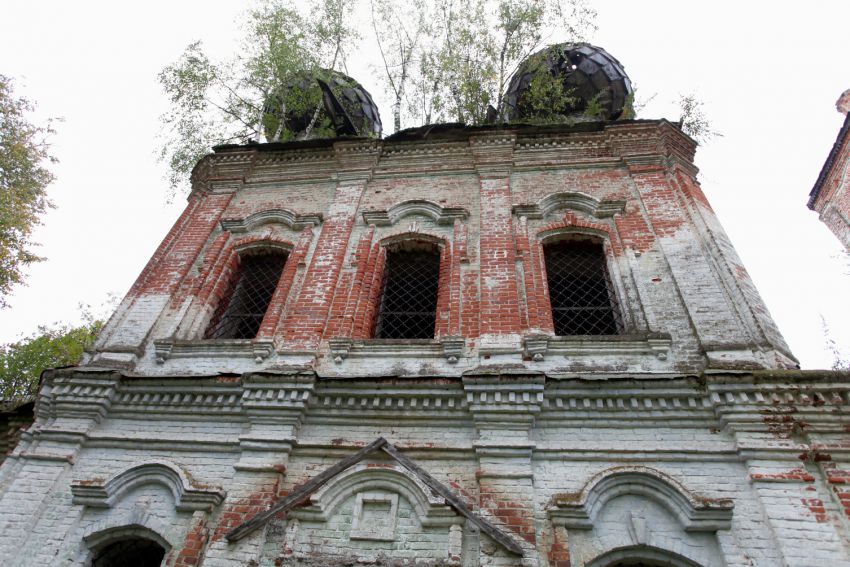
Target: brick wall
488,201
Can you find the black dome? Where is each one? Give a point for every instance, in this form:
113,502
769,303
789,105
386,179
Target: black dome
346,107
593,85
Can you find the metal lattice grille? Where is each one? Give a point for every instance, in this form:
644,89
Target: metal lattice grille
582,303
239,316
134,552
409,296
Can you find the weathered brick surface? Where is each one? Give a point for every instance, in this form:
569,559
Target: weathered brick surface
683,440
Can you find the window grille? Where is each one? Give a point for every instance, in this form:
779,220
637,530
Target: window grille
582,301
240,313
409,295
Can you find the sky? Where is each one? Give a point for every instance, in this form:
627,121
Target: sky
769,73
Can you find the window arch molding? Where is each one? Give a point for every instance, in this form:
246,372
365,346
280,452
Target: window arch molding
401,238
422,207
552,235
187,497
285,217
694,514
639,514
431,509
572,201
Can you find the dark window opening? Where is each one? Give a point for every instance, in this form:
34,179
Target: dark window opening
130,552
408,308
240,312
582,301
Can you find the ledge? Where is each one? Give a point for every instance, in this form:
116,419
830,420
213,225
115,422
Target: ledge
655,344
258,349
450,348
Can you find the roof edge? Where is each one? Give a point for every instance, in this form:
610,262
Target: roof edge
843,135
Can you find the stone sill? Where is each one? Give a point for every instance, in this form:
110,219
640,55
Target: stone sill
655,344
450,348
258,349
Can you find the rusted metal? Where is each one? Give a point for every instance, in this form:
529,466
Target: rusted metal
408,307
582,302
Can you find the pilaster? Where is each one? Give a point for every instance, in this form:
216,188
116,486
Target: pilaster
504,408
500,321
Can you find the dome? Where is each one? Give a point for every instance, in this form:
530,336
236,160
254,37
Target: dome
568,81
346,108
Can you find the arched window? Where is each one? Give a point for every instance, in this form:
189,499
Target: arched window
408,304
583,302
249,291
129,552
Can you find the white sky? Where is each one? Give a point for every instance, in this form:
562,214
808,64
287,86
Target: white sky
769,72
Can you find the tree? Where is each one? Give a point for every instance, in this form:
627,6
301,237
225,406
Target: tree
244,98
442,60
694,121
22,362
24,177
451,59
398,36
840,359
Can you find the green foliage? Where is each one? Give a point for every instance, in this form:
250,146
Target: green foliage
239,100
399,34
473,47
22,362
596,108
24,177
547,101
443,60
694,121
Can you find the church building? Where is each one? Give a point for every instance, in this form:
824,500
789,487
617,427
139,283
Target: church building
525,343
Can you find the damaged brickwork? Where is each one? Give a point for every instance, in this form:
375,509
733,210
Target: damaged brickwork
687,438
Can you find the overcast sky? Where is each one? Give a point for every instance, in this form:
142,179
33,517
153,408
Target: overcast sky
769,73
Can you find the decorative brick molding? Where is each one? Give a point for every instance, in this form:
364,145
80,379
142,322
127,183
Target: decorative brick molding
588,348
188,497
450,348
436,488
572,201
285,217
696,514
387,479
437,213
258,349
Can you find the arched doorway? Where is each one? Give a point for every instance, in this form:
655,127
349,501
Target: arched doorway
129,552
642,556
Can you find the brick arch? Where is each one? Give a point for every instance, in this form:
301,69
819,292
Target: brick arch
537,315
570,223
137,525
694,513
393,478
355,305
222,261
400,237
187,496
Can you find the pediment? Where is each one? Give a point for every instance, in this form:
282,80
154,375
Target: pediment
423,490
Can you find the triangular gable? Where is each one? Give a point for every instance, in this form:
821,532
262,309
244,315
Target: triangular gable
304,491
